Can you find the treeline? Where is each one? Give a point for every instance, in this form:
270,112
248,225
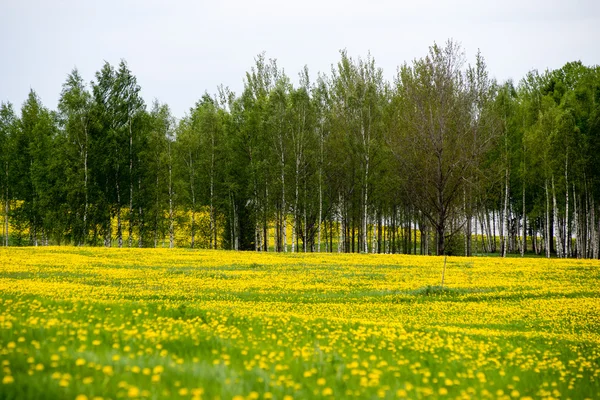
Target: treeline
443,160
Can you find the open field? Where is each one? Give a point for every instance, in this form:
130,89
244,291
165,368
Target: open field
79,323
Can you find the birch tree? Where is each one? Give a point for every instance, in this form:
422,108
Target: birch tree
8,132
75,106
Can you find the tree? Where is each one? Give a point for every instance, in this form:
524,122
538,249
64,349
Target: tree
8,133
75,106
436,142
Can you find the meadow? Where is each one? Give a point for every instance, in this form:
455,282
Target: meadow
96,323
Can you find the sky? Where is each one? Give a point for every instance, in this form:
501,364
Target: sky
179,49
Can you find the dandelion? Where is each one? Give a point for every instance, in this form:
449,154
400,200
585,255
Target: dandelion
158,369
133,392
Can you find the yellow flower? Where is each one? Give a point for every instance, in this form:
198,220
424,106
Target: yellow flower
133,392
158,369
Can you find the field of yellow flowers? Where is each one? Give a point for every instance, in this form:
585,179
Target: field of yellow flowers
92,323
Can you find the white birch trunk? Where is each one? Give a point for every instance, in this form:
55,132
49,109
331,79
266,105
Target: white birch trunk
320,217
157,205
295,212
130,230
547,225
506,215
213,236
557,229
171,223
85,186
576,224
365,202
524,234
283,205
374,242
6,207
596,233
567,225
341,227
119,227
236,227
140,217
305,236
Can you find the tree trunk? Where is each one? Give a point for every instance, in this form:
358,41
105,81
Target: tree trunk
576,224
365,203
130,238
567,223
440,240
556,228
524,245
265,222
140,218
213,219
234,235
283,206
171,222
320,218
305,239
212,236
85,188
193,194
157,206
468,227
295,213
547,235
596,237
504,225
6,206
342,228
119,228
493,246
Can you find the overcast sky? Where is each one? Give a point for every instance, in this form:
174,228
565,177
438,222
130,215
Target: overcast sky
179,49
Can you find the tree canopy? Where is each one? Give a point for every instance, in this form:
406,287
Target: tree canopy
442,160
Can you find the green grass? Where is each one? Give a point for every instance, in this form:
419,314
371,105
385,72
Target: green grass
257,327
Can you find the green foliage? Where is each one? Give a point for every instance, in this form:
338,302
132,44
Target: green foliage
347,162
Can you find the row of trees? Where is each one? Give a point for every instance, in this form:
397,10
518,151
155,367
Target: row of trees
442,160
